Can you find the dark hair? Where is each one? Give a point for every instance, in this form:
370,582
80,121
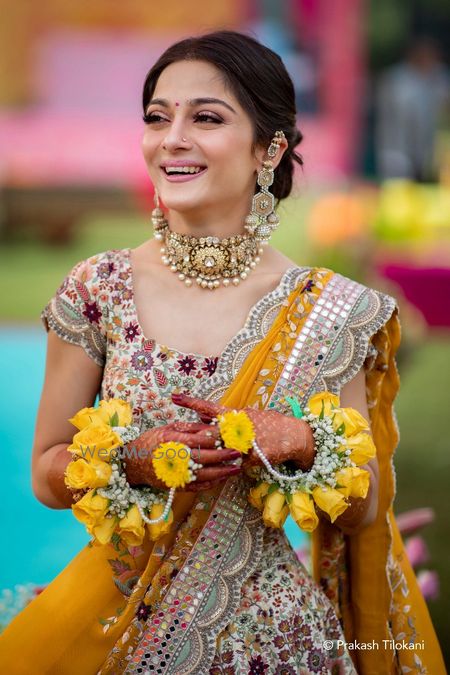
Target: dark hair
259,80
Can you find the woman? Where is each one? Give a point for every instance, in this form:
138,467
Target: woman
220,592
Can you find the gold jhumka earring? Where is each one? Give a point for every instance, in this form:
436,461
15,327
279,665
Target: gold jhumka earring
212,262
263,220
159,220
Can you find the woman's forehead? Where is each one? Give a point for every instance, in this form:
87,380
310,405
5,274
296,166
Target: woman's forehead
186,80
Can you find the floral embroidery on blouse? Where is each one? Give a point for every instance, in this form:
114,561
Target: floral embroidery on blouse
97,295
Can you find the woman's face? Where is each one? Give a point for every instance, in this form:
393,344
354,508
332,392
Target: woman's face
198,143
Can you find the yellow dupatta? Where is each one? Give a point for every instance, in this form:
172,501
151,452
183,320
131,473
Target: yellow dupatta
65,617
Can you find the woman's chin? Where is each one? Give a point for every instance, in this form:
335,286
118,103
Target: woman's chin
182,205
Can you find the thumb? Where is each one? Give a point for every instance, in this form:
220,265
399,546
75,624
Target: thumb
200,406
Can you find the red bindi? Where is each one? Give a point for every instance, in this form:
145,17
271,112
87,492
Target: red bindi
177,104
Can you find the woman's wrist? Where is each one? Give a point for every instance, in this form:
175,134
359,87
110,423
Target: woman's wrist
361,512
304,445
138,463
48,478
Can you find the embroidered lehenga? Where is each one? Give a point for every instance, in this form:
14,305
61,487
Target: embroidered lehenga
221,593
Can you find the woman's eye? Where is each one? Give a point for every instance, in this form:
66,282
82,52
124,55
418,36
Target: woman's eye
207,117
153,118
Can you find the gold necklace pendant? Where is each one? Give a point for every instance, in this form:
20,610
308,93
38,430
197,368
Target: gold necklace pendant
209,261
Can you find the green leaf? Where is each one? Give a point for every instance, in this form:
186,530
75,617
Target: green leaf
288,497
295,407
114,420
340,430
273,488
322,412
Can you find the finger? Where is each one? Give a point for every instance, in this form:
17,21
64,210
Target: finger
207,408
214,472
189,427
203,456
205,439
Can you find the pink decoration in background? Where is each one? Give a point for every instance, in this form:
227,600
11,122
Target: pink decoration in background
86,126
417,551
429,584
427,288
333,32
410,521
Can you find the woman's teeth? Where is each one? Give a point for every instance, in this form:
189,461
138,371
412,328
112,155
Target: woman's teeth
182,169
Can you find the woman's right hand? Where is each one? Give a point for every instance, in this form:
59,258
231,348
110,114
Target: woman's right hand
199,437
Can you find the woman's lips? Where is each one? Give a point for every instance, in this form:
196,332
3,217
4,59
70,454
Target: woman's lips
182,177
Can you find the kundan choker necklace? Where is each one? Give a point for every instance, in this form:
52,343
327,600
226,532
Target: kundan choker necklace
209,261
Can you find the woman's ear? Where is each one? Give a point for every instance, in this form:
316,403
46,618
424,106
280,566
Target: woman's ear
262,156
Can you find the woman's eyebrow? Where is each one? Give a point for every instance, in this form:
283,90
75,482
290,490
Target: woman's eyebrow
204,101
192,102
158,101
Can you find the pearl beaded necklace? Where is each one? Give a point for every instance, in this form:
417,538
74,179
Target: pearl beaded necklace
209,261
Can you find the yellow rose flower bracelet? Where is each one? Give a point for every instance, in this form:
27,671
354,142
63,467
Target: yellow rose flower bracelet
342,443
109,506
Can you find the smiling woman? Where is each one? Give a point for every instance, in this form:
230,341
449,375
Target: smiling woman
203,321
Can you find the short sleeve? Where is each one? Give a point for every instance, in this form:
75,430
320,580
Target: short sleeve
75,312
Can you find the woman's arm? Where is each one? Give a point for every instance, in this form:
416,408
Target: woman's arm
362,512
72,381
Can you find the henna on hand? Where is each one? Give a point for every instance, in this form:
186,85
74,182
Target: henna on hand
200,438
280,437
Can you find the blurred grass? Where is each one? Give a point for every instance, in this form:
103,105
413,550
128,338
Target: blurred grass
31,272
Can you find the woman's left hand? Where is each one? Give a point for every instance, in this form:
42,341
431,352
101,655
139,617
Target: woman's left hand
280,437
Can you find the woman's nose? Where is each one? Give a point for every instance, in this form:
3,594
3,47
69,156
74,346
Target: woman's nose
176,138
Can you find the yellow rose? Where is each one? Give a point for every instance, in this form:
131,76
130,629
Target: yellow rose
105,530
303,511
132,529
90,510
352,420
110,407
157,530
330,500
355,482
82,474
275,509
86,416
95,442
362,448
257,494
325,398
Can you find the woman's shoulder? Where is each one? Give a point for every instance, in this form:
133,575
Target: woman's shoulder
342,306
341,285
78,311
101,266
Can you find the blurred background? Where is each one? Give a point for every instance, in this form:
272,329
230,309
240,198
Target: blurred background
372,82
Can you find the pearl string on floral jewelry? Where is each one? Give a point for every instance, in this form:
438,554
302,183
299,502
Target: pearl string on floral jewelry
332,452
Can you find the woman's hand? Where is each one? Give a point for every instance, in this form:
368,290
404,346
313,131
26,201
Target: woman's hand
200,438
280,437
